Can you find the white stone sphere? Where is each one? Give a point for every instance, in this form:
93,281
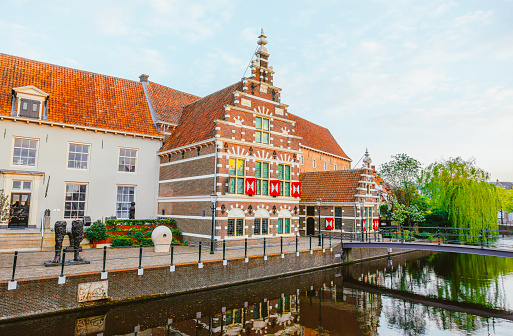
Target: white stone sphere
162,237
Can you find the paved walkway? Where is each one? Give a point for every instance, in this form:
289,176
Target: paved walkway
30,264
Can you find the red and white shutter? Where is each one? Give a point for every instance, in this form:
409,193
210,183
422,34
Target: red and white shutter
275,188
328,223
365,224
296,189
376,224
250,185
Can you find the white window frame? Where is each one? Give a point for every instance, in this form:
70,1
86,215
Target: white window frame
30,92
136,159
283,220
66,183
116,209
12,164
88,156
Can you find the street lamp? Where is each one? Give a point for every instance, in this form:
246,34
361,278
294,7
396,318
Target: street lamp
319,201
389,214
213,199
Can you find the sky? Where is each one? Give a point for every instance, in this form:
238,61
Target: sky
432,79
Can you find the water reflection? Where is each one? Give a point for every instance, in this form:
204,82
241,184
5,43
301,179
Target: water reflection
412,294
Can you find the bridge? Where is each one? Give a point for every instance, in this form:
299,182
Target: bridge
495,243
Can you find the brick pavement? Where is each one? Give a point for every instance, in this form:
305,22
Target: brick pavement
30,264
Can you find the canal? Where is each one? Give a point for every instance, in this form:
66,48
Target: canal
414,293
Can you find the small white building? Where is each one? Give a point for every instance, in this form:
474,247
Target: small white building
74,143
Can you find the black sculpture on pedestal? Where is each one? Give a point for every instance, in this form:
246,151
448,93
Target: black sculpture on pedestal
131,211
76,235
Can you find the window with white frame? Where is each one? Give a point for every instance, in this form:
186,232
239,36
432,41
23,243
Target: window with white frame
21,186
125,196
75,200
283,225
127,160
24,152
78,156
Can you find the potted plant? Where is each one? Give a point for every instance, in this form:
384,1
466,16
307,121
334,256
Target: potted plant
96,232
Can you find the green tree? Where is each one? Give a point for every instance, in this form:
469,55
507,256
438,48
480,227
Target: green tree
460,188
402,174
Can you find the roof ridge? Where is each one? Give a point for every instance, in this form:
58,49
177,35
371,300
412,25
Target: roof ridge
199,97
213,93
295,115
69,68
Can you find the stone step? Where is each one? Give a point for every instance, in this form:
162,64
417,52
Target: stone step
31,241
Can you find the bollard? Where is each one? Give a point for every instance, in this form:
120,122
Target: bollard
297,245
140,271
322,242
199,253
311,244
171,265
246,250
14,264
281,246
224,249
265,256
330,243
481,237
104,257
487,241
62,262
103,274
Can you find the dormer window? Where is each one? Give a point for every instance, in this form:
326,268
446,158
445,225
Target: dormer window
29,102
29,108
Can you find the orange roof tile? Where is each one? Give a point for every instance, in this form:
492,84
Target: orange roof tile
167,102
330,186
317,137
79,97
197,121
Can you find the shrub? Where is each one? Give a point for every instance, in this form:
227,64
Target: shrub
96,231
122,242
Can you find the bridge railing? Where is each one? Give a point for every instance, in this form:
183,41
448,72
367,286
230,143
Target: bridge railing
438,235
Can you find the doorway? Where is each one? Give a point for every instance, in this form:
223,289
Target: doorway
310,226
19,212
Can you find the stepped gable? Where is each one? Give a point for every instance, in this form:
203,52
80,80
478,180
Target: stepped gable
168,103
197,121
317,137
330,186
79,97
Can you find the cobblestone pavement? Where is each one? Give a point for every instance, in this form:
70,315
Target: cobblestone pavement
31,264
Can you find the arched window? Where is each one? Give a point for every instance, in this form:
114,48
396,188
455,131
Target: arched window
235,222
284,219
261,223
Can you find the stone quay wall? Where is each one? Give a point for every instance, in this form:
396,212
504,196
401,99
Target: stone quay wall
46,296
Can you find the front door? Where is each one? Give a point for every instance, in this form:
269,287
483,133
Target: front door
310,226
19,213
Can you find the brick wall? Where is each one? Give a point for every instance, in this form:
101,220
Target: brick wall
43,296
309,156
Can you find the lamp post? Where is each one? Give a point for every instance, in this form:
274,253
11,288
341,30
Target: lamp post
319,201
389,214
213,199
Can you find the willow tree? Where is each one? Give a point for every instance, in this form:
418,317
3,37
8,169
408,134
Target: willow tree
460,188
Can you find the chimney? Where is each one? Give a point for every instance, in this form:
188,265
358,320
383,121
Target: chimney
143,78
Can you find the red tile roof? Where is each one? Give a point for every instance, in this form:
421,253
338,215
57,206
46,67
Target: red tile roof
197,121
167,102
317,137
79,97
330,186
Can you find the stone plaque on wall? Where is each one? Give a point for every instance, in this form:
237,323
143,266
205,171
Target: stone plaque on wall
91,291
90,325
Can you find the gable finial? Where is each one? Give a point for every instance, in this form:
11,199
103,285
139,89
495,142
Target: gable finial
262,41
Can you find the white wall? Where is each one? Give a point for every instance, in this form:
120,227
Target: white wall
102,175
